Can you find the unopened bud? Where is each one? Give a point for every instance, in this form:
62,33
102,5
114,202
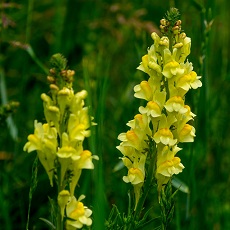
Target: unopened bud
52,71
50,79
178,23
54,87
178,45
163,22
183,35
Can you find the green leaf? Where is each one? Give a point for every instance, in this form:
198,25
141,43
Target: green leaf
48,223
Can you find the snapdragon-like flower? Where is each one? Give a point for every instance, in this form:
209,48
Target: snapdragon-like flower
168,117
44,141
59,142
77,214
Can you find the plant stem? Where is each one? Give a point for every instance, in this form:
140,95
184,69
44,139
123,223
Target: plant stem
147,186
59,223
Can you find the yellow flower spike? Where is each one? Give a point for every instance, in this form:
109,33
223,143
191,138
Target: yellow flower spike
78,214
176,104
63,198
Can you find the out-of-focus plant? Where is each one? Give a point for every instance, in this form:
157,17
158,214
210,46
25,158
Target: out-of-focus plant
6,110
59,144
151,145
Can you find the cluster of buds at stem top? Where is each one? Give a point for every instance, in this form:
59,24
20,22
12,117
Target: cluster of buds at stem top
59,141
165,117
165,26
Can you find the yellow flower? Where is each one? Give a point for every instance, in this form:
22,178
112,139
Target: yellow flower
171,67
77,213
136,175
78,125
176,104
167,163
79,162
186,133
150,63
164,134
136,172
189,113
155,106
183,46
134,138
189,79
65,153
140,124
77,102
146,89
44,140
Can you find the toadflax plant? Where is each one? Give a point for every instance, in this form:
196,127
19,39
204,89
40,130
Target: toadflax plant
150,146
59,144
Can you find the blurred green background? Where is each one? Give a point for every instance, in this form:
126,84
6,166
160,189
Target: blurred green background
104,42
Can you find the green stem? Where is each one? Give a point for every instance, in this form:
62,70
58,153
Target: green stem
147,186
59,223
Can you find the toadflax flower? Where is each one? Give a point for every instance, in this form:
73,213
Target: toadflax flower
168,120
59,142
77,214
44,140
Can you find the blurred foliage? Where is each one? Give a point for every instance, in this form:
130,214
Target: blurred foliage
103,42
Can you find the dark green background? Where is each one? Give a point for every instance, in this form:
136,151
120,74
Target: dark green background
104,42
